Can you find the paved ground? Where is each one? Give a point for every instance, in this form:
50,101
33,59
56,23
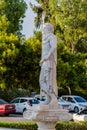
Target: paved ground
9,129
13,118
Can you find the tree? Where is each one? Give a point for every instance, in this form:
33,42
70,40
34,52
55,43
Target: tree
15,12
27,68
8,52
11,14
19,63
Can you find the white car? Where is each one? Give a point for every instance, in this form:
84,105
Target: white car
63,103
77,102
23,103
38,97
80,116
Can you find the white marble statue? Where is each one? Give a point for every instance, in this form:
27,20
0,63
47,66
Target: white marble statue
48,113
48,85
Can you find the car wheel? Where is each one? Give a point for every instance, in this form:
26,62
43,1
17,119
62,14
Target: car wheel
24,109
76,109
6,114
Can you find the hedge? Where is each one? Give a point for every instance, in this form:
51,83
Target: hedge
71,125
33,125
19,125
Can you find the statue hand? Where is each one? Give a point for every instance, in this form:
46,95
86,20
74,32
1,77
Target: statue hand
43,16
41,62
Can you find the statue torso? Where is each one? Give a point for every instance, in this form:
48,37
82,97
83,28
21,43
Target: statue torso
45,46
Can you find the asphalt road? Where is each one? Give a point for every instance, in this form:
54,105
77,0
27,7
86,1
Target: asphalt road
9,129
13,118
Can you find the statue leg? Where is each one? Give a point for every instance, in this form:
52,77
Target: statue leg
44,84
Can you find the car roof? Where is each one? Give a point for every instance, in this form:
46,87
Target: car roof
25,98
70,96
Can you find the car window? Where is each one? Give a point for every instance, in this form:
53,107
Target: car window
65,98
33,101
80,99
61,100
3,102
23,100
71,100
15,101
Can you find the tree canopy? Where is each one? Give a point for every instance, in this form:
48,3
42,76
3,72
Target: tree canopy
19,57
14,10
70,24
11,14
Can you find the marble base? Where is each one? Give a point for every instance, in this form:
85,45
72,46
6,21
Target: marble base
46,116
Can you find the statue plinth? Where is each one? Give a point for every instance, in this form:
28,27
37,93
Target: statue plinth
46,116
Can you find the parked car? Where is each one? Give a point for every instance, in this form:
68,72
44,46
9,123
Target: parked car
78,103
6,108
38,97
64,104
23,103
80,116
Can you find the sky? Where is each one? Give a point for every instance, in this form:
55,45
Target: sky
28,25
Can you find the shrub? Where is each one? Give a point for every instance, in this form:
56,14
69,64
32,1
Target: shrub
71,125
33,126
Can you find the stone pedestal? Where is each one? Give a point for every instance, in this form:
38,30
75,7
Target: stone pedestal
46,116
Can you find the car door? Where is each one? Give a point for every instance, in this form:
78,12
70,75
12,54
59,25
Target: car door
23,104
17,104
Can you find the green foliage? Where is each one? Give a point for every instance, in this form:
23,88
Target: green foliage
8,51
71,126
33,126
28,59
69,18
25,68
11,19
19,63
14,10
19,125
11,93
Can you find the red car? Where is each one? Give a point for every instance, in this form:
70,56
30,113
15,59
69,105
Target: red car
6,108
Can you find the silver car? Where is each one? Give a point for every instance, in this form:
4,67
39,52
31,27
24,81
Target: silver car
78,103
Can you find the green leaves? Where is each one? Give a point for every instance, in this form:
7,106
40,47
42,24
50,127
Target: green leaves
69,18
14,11
19,63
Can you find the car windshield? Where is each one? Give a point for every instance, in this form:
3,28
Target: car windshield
61,100
3,102
34,101
80,99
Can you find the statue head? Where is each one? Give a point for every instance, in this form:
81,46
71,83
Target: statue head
47,28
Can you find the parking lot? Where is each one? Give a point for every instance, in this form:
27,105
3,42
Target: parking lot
13,118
